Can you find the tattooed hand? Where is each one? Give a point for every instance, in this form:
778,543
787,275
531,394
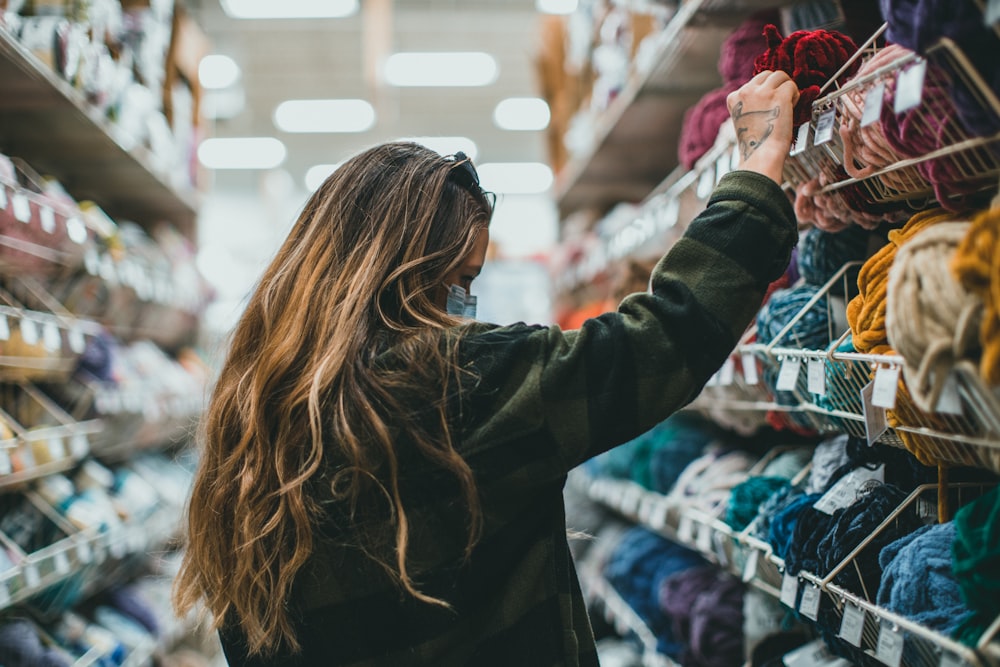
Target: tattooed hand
762,115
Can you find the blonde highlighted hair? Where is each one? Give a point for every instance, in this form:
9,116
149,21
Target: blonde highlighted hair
300,395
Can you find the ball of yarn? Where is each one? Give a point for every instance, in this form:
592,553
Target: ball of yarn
763,616
746,498
788,464
777,501
678,594
931,320
706,606
742,46
822,254
848,205
770,651
810,332
976,562
784,524
708,481
917,581
828,457
701,123
901,468
810,58
839,375
19,643
976,265
866,311
919,24
684,438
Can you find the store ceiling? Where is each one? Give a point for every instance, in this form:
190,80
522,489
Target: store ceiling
337,58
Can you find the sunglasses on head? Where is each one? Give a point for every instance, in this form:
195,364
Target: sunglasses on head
465,175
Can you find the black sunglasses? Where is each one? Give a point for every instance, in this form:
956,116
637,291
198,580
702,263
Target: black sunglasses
465,175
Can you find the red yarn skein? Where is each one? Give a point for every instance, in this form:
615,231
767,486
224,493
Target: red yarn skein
811,58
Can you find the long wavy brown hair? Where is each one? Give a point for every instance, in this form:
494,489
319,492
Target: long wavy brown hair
300,392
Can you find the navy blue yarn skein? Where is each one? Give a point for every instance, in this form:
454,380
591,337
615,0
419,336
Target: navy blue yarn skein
811,332
822,254
784,524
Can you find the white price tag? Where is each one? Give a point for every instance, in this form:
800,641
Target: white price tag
685,530
29,331
57,448
100,552
47,217
949,402
647,505
951,660
910,87
669,214
750,566
4,594
84,553
873,104
6,467
886,387
658,517
76,230
809,607
801,139
749,362
630,498
22,207
890,645
852,626
3,197
824,127
61,562
992,13
51,338
31,577
816,377
728,372
91,261
116,544
813,654
849,489
875,420
4,328
789,590
706,183
788,376
77,341
720,545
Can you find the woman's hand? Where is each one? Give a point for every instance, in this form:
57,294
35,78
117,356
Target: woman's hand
762,115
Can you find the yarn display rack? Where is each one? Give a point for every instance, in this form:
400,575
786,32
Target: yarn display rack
819,151
753,560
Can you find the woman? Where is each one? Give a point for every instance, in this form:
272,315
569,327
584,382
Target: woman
381,481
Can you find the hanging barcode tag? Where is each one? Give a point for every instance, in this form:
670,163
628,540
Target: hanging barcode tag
6,467
728,372
91,261
4,328
47,218
889,649
685,531
849,489
886,386
706,183
801,139
789,590
910,87
29,331
4,595
61,562
788,376
3,198
816,377
704,538
875,421
809,607
22,207
720,546
77,342
991,14
750,368
951,660
78,445
824,127
873,104
76,230
813,654
29,572
852,626
51,338
949,402
629,504
668,217
57,448
750,567
84,554
658,515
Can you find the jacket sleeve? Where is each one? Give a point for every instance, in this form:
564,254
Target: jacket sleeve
551,399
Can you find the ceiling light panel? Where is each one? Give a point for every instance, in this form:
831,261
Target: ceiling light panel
459,68
515,178
289,9
349,115
521,113
217,71
556,6
242,153
317,174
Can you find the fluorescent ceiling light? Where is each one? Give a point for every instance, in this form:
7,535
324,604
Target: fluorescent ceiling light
324,116
289,9
459,68
515,177
317,174
521,113
218,71
447,145
241,153
223,104
556,6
